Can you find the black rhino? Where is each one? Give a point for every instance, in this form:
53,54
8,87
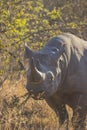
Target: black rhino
58,73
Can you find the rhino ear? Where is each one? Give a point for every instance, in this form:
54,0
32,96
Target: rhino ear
28,51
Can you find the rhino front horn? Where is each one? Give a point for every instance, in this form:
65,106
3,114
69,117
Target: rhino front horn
28,51
35,76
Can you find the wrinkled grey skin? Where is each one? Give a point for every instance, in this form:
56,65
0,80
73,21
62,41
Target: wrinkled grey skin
58,73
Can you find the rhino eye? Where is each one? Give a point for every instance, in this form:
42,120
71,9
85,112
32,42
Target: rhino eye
54,50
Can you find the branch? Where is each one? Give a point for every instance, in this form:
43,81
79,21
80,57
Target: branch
5,77
12,55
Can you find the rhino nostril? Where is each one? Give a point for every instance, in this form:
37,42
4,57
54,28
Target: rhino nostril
50,75
28,89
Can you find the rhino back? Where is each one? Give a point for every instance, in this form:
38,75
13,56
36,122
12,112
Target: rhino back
77,70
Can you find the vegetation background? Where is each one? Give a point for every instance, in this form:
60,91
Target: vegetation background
34,22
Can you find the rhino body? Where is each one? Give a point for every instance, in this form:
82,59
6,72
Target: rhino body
58,73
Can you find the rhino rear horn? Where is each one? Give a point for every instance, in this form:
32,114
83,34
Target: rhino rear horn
62,49
28,51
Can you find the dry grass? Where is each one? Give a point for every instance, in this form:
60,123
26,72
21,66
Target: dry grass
32,115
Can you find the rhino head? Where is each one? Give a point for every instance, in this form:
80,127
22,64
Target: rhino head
44,72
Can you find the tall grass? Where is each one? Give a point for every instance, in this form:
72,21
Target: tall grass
18,113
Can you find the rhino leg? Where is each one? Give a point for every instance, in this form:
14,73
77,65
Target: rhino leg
79,114
61,113
63,117
78,119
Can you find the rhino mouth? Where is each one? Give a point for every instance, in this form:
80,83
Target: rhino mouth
37,96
